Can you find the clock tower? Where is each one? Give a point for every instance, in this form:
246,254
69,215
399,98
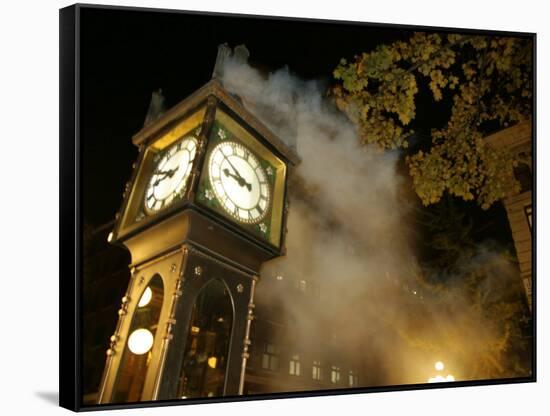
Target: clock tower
205,207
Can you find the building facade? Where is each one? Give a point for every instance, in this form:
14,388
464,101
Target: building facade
519,207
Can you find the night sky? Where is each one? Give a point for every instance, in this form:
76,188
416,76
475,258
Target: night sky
126,54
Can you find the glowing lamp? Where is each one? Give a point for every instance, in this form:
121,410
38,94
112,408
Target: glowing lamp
146,297
212,361
439,366
436,379
140,341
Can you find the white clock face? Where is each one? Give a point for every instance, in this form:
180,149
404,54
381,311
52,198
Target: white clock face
239,182
170,174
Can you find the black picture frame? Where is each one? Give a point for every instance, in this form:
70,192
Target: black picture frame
72,186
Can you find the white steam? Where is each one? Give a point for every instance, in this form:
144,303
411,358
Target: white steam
348,239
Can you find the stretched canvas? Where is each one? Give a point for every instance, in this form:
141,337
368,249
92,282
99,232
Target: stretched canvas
255,207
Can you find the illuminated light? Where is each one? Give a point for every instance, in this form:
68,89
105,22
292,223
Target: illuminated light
439,366
110,237
212,361
414,292
441,379
146,297
140,341
184,397
195,329
437,379
279,277
220,319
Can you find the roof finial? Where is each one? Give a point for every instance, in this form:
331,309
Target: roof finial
240,54
156,107
224,52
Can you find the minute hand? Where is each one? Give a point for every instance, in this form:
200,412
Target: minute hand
240,178
233,167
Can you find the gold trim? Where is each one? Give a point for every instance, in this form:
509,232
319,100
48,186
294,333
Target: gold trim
170,322
115,337
180,130
246,341
156,259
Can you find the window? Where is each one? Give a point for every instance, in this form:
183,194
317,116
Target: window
352,378
203,370
335,374
316,373
137,352
295,368
522,173
270,357
529,214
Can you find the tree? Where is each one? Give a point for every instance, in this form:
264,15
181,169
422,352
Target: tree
488,82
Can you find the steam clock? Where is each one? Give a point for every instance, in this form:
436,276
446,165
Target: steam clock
204,209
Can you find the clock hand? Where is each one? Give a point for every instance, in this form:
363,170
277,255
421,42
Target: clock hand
169,173
239,179
165,174
233,167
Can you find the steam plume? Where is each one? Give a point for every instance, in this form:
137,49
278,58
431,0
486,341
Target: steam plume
348,240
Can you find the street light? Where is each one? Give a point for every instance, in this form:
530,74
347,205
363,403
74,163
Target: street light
439,366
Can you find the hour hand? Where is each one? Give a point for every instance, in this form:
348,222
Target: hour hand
240,180
163,175
166,173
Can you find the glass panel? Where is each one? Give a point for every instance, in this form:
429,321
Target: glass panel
138,350
207,346
353,378
316,370
335,374
295,366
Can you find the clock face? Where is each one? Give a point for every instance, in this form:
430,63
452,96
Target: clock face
239,182
169,177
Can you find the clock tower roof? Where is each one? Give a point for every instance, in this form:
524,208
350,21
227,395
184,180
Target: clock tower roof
214,88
